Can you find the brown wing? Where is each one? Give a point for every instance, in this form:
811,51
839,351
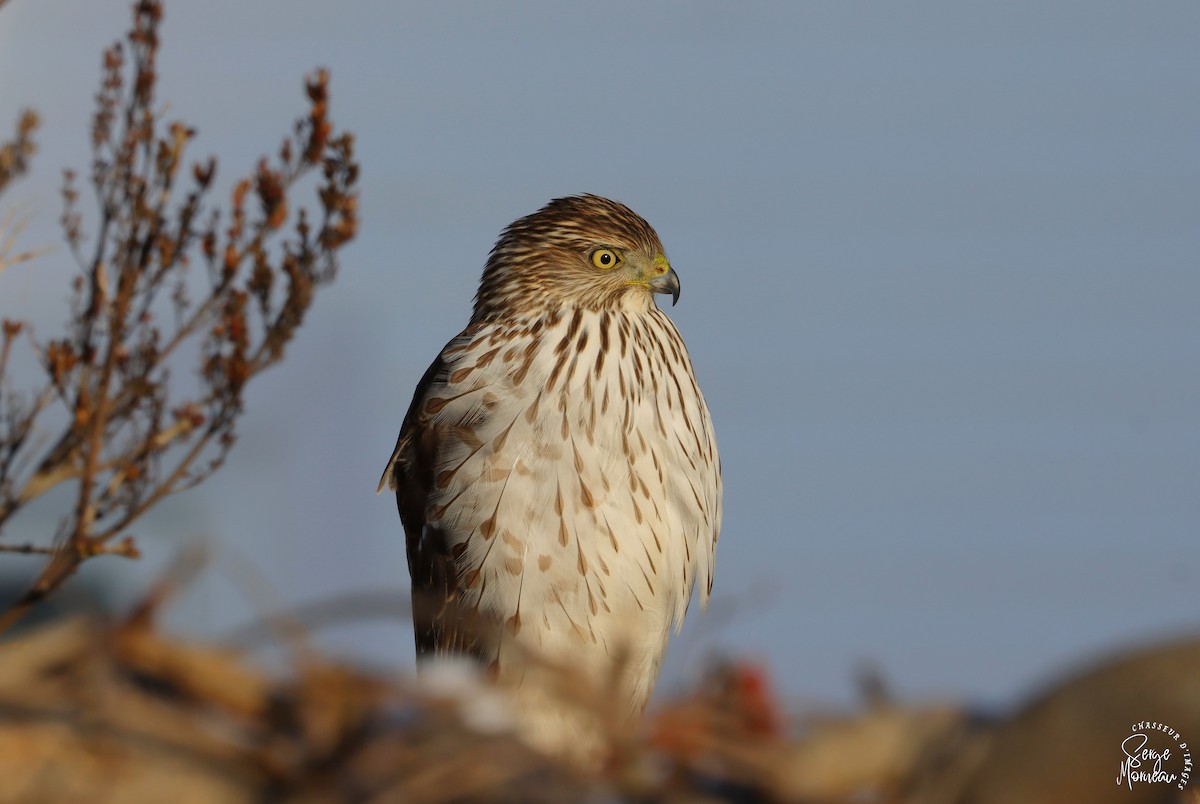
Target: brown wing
440,624
409,474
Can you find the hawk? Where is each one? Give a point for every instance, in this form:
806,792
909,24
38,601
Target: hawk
557,472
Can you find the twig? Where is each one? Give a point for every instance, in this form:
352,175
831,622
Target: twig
112,368
11,228
28,549
355,607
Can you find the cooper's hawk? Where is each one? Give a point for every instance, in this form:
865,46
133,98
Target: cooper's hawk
557,473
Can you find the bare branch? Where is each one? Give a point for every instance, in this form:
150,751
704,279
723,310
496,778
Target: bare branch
11,227
132,436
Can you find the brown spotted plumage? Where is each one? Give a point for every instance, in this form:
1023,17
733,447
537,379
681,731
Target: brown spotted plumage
557,473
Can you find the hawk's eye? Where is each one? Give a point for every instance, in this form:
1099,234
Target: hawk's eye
605,258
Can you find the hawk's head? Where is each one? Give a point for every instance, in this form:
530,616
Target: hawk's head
580,251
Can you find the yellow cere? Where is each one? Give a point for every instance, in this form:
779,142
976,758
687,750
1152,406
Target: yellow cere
661,266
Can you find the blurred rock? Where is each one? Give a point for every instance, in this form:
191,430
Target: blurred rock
1065,745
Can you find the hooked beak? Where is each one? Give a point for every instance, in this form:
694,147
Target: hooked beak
666,283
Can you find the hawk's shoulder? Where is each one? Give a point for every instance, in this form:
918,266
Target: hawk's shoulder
406,452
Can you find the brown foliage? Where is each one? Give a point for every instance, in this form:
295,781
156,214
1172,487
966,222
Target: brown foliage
93,710
15,155
131,435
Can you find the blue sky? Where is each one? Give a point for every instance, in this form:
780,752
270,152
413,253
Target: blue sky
940,286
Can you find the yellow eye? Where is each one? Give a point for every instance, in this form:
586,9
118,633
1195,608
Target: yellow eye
605,258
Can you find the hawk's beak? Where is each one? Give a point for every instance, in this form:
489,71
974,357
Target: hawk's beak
666,283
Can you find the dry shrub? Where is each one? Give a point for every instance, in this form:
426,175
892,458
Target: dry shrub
168,282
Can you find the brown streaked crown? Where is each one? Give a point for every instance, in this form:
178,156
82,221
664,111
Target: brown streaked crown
543,259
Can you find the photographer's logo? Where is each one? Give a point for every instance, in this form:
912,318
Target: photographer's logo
1154,754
